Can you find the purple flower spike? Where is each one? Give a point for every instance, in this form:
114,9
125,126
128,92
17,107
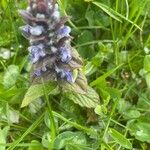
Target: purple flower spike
64,31
65,55
25,31
36,52
49,38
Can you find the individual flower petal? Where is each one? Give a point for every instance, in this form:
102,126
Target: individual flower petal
37,30
38,73
64,31
62,73
69,76
65,55
56,15
36,52
25,31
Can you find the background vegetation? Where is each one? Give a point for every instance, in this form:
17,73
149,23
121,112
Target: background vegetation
113,37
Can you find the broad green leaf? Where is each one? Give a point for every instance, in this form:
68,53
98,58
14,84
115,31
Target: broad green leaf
120,139
89,99
11,75
140,129
3,136
85,37
35,145
105,96
123,106
46,139
38,90
132,114
114,92
48,121
90,17
101,110
143,102
68,137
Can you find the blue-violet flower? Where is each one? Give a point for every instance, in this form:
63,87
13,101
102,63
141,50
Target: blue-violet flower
50,49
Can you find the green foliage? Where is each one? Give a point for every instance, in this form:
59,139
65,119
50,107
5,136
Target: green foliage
120,139
67,139
38,90
89,99
113,39
3,135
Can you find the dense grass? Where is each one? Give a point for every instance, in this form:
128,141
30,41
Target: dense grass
113,37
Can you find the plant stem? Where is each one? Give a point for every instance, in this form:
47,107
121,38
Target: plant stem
52,120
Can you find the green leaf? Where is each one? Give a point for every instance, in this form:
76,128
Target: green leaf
104,76
143,102
38,90
85,37
4,4
77,147
140,129
68,137
80,85
123,106
3,136
117,16
11,75
89,99
107,10
101,110
120,139
90,17
132,114
89,69
46,139
35,145
147,63
147,78
105,96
